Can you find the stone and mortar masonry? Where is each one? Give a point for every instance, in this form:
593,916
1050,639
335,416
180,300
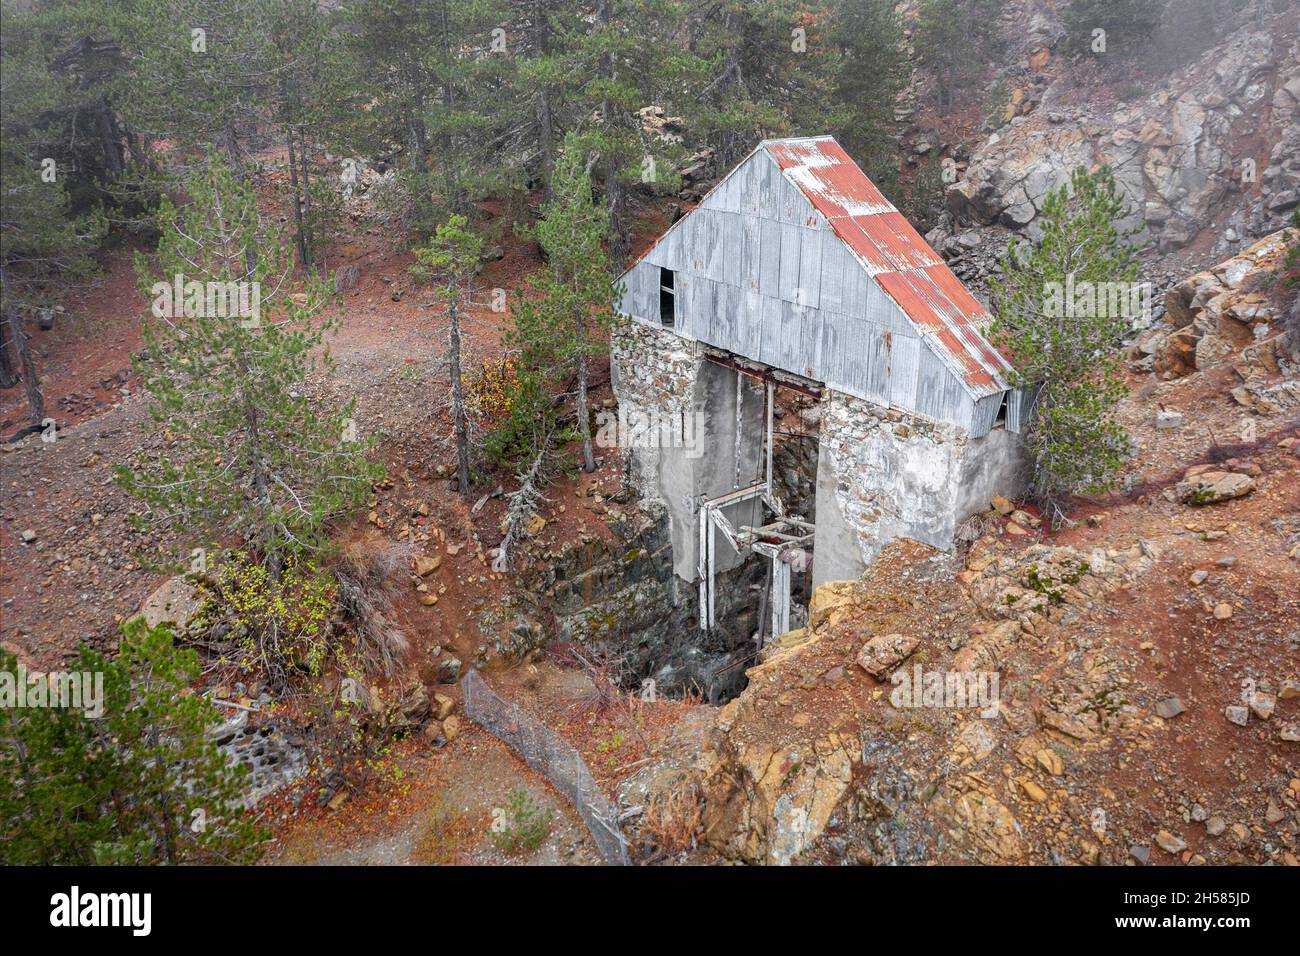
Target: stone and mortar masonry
653,371
884,473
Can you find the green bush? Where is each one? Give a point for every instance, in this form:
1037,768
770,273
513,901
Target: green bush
523,825
142,783
1069,357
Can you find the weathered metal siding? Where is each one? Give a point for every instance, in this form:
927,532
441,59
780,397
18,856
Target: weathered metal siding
986,413
759,272
1020,406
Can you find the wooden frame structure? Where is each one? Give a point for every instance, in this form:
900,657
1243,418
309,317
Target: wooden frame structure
775,540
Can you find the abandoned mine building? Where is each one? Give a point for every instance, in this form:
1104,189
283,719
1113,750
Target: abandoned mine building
794,272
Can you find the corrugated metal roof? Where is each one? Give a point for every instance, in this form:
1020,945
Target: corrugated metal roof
895,255
890,251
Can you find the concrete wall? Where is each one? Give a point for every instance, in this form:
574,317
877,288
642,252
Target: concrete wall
884,473
651,372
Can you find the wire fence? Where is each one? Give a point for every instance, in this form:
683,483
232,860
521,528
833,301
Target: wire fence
550,754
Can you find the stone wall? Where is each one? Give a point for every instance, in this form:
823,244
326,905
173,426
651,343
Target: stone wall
619,593
652,371
794,474
881,473
661,374
275,756
884,474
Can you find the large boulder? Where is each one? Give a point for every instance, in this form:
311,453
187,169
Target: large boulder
768,805
176,602
1211,487
1222,312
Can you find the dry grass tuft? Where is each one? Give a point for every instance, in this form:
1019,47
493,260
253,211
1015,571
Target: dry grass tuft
368,587
673,820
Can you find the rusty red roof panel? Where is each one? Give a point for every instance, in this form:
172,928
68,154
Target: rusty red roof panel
900,290
940,306
898,240
793,152
832,150
857,239
939,319
952,287
894,254
989,357
976,373
847,181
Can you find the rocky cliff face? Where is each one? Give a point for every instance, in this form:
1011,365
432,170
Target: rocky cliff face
822,741
1208,156
1233,313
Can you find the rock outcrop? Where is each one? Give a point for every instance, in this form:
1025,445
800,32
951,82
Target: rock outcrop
1176,152
176,602
1210,486
816,747
1232,312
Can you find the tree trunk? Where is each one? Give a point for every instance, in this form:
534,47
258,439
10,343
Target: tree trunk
614,193
454,200
305,164
546,136
735,28
166,816
584,417
301,238
109,138
417,136
261,483
458,417
545,115
617,196
27,366
8,374
230,146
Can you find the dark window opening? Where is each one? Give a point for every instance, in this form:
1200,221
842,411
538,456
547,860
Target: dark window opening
667,298
1002,409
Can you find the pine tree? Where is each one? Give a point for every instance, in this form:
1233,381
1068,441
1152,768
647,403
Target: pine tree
431,84
867,57
1068,351
229,349
47,236
575,301
539,79
764,79
303,55
627,58
202,72
449,261
957,39
465,117
142,783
